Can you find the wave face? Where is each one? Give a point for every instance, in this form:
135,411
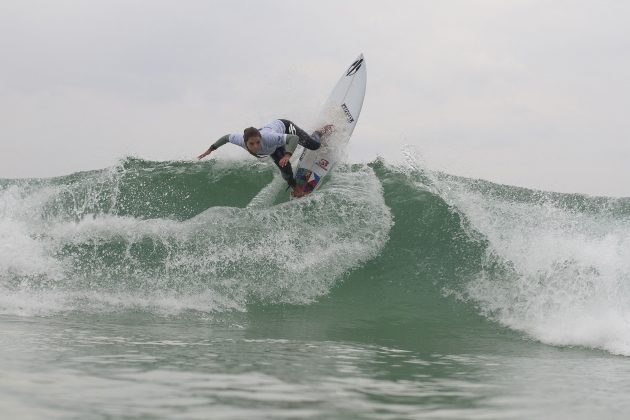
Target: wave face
167,237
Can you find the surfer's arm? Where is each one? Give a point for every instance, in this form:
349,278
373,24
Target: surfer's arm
223,140
292,142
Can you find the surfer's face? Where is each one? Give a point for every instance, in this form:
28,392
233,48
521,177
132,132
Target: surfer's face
253,144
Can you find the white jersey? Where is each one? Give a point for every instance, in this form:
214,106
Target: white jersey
272,136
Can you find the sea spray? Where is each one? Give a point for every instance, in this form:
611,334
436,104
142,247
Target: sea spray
112,255
556,266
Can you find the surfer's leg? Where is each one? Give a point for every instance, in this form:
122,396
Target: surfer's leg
311,142
287,170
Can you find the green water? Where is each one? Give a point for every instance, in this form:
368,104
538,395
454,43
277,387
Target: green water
182,290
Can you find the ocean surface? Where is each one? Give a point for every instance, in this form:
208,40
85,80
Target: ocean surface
199,290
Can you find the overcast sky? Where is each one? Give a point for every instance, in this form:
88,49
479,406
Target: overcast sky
528,93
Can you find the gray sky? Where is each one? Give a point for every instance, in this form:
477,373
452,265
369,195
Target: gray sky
528,93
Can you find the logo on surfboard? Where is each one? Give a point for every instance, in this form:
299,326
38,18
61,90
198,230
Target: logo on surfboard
354,67
347,112
323,163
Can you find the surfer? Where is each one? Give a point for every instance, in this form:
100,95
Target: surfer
277,139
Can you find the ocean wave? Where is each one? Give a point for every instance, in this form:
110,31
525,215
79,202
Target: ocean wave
216,237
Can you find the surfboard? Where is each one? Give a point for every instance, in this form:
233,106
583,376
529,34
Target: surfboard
342,110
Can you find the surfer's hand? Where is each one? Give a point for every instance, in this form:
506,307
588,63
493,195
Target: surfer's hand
285,159
204,154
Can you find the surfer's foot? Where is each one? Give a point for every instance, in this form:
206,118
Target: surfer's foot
297,192
327,129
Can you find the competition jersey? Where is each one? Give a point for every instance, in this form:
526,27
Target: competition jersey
272,136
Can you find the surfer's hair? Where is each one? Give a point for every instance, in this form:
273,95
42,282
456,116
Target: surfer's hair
249,133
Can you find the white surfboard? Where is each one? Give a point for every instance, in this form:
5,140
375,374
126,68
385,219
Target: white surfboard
342,109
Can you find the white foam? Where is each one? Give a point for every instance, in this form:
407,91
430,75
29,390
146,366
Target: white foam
266,196
559,274
219,260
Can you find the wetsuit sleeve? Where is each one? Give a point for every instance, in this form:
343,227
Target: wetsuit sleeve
223,140
292,142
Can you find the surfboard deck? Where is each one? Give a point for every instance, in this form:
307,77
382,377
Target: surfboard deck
342,110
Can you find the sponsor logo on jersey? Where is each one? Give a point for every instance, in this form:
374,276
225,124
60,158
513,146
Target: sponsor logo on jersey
354,67
347,112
